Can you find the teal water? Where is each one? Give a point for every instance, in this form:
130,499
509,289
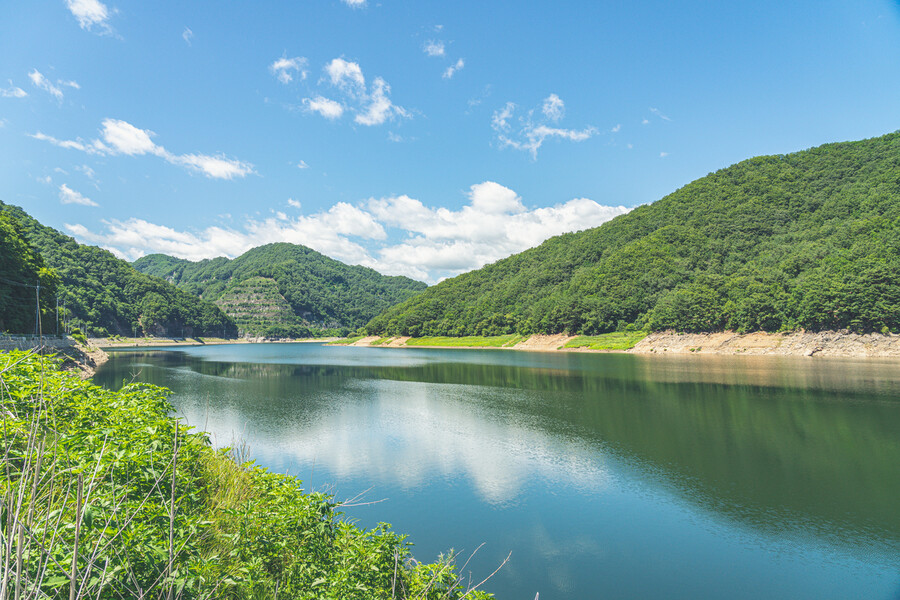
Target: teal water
605,476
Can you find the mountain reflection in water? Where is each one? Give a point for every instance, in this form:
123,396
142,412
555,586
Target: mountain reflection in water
803,450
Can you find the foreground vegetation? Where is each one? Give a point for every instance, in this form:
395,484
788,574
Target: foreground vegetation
808,240
105,496
286,290
97,292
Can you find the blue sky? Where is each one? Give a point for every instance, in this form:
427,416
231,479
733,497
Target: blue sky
419,138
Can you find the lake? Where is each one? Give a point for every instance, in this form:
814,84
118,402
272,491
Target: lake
606,476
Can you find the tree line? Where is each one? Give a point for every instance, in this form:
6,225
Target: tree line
95,290
809,240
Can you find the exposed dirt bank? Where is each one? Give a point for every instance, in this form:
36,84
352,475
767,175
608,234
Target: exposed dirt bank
390,343
801,343
544,342
76,357
86,360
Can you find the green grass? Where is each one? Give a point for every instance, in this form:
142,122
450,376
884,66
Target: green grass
346,341
620,340
382,340
472,341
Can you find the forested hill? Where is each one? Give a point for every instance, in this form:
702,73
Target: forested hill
286,289
806,240
98,291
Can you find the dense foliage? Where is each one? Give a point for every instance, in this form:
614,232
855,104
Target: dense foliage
806,240
322,295
107,295
103,496
24,281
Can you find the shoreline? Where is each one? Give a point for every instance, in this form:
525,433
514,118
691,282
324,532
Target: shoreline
124,343
75,356
728,343
842,344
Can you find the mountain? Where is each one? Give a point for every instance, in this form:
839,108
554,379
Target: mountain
805,240
107,295
286,289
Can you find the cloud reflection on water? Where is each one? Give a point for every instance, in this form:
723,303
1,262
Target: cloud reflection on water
408,434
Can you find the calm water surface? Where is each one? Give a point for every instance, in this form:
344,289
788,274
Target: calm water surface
607,476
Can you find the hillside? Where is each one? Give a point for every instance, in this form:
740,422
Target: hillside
806,240
286,289
22,272
107,295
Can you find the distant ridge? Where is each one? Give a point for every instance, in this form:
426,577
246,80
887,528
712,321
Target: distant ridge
809,240
286,289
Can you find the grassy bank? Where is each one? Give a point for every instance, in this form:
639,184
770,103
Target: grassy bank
105,496
471,341
624,340
608,341
346,341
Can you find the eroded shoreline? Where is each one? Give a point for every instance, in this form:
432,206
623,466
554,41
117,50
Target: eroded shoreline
799,343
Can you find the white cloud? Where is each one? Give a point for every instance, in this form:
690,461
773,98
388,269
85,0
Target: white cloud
554,108
492,198
531,135
284,68
125,138
326,107
69,196
89,172
302,165
96,147
121,137
616,129
452,69
12,91
434,48
214,167
89,13
663,154
500,120
346,75
494,224
354,3
370,106
478,100
41,82
656,112
46,180
328,232
187,35
541,132
425,243
645,122
380,108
